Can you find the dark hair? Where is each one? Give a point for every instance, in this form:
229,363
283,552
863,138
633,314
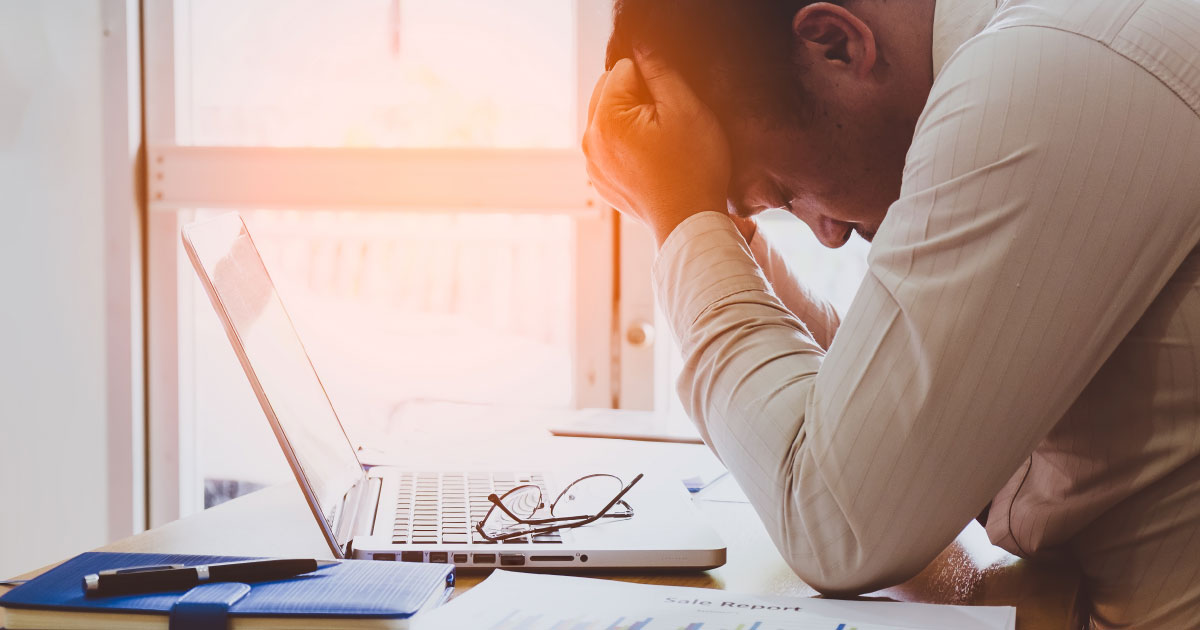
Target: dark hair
736,54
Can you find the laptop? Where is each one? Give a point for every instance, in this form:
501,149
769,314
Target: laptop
391,513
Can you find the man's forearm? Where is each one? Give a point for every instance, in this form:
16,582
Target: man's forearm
748,379
818,315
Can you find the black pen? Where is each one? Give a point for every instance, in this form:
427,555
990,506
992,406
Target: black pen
176,577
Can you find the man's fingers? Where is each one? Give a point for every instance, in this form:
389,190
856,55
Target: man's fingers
622,90
596,91
665,85
604,190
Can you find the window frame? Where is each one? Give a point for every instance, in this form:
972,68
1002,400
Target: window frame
181,178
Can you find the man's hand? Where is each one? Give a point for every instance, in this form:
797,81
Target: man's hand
654,151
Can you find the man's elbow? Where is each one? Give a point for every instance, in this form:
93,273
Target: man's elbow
844,576
848,562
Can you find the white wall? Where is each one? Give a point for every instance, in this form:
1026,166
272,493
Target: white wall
70,385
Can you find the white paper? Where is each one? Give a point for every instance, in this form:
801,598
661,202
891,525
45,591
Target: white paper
723,490
698,482
524,601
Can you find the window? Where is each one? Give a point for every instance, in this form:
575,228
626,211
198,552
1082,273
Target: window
376,73
410,171
398,311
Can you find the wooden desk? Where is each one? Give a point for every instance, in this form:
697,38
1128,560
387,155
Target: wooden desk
277,522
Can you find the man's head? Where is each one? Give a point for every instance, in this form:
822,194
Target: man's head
818,100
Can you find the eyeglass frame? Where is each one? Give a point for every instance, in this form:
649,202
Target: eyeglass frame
584,519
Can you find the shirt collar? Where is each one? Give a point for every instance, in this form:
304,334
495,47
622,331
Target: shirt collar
954,22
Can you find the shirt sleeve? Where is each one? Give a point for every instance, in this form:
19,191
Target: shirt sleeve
816,312
1039,216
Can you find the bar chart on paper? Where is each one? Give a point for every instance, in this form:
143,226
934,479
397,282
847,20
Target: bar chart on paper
519,620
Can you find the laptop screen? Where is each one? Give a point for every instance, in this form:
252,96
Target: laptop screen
274,359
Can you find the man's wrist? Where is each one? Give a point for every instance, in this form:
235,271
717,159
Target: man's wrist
747,226
665,224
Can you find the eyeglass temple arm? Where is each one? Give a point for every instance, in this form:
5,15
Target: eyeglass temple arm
600,514
617,498
591,519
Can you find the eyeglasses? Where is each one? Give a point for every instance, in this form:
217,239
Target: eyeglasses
584,501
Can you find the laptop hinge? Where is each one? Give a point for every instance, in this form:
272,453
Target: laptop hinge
344,526
368,508
375,486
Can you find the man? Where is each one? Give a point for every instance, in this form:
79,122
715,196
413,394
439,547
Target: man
1024,345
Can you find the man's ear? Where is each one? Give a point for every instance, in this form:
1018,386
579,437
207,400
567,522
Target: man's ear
828,33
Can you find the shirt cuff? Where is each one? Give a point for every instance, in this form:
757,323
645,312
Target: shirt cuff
703,261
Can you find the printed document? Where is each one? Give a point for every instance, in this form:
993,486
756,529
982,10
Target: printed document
524,601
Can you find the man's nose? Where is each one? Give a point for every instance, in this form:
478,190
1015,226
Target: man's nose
832,234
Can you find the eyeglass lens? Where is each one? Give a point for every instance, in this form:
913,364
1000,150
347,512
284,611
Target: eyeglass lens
586,496
522,501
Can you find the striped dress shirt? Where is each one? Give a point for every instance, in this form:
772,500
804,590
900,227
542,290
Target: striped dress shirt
1027,335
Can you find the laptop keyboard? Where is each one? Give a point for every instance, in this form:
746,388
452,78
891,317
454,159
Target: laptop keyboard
433,508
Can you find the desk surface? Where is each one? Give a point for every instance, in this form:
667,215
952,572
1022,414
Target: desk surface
277,522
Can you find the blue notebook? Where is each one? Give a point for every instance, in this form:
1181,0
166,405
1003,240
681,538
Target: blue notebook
353,594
